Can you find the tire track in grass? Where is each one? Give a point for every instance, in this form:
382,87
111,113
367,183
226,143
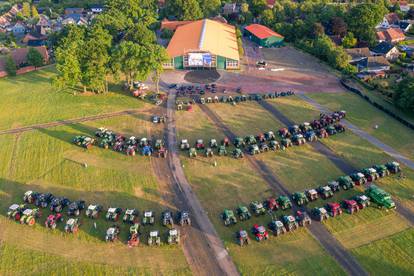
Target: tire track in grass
12,167
318,231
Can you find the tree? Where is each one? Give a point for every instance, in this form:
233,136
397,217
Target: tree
159,56
126,58
210,7
339,26
258,7
35,58
268,17
184,9
244,8
349,41
26,10
35,13
10,66
318,30
140,34
404,94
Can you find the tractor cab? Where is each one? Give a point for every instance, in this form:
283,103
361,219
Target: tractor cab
192,152
93,211
259,231
303,218
112,233
101,132
263,147
15,211
350,206
382,170
250,140
228,217
147,150
286,142
312,194
393,167
144,142
274,145
130,216
284,133
30,197
254,149
334,209
222,151
322,133
243,213
184,144
43,200
325,192
113,213
370,174
154,238
270,136
271,204
290,223
277,227
298,139
75,207
300,198
294,130
331,130
184,218
242,237
148,218
346,182
159,143
52,220
260,138
284,202
310,136
334,185
72,225
339,128
257,208
167,218
173,236
58,203
208,152
358,178
199,144
362,200
213,143
237,153
238,142
320,214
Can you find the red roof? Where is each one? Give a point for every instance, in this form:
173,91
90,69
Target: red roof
261,31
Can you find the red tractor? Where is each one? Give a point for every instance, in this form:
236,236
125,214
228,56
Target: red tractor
334,209
271,204
322,133
316,124
350,205
225,142
284,133
260,232
52,220
200,144
260,138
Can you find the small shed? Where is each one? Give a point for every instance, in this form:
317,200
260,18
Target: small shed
263,36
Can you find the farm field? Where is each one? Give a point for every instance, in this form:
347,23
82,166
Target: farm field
35,100
46,161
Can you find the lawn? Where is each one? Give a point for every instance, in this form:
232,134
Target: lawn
31,99
46,160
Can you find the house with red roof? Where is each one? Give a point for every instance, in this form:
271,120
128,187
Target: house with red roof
263,36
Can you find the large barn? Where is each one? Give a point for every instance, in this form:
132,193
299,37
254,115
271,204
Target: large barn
204,44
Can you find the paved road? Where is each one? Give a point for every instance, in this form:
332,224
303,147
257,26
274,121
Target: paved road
68,122
204,224
318,231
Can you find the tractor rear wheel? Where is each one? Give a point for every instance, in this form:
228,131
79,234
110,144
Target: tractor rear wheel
31,221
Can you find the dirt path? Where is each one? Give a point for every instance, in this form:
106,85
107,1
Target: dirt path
68,122
319,232
186,196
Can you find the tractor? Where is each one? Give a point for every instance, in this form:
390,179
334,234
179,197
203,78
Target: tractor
382,170
144,142
130,216
358,178
183,218
225,142
58,203
148,218
325,192
277,227
222,151
270,136
133,237
274,145
254,149
293,130
312,194
192,153
350,205
316,124
76,207
284,202
310,136
30,197
93,211
261,138
362,200
147,150
29,216
239,142
173,236
15,211
112,234
286,142
131,150
370,174
113,214
84,141
243,213
250,140
298,139
290,223
300,198
242,237
320,214
101,132
159,143
208,152
257,208
260,233
52,220
303,218
322,133
305,127
167,218
213,143
333,209
346,182
393,167
162,152
154,238
339,128
228,217
43,200
263,147
334,185
199,145
331,130
237,153
184,145
284,133
380,197
271,204
72,225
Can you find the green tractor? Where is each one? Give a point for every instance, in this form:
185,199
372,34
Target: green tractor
380,197
270,136
254,149
29,216
222,151
257,208
325,192
382,170
154,238
148,218
358,178
300,198
320,214
346,182
16,211
362,200
239,142
192,153
243,213
393,167
277,227
237,153
228,217
173,236
370,174
290,223
130,216
298,139
286,142
284,202
84,141
250,140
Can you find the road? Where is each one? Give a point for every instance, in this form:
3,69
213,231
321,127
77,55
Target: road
318,231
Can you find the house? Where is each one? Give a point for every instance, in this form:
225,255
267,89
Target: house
405,26
18,28
392,35
230,9
387,50
263,36
33,37
172,25
44,21
96,9
69,11
404,6
373,64
74,18
389,20
358,54
19,57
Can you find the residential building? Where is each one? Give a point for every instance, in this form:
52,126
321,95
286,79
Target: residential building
374,64
172,25
387,50
392,35
18,28
263,36
230,9
405,25
96,9
358,54
389,20
69,11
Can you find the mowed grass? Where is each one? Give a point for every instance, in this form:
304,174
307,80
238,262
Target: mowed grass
31,99
390,256
234,182
365,116
48,161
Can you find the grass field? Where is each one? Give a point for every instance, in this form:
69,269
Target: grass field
33,100
46,160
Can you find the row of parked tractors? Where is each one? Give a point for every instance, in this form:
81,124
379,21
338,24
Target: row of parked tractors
232,99
324,127
26,215
119,143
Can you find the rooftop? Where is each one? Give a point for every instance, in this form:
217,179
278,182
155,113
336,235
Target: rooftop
261,31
